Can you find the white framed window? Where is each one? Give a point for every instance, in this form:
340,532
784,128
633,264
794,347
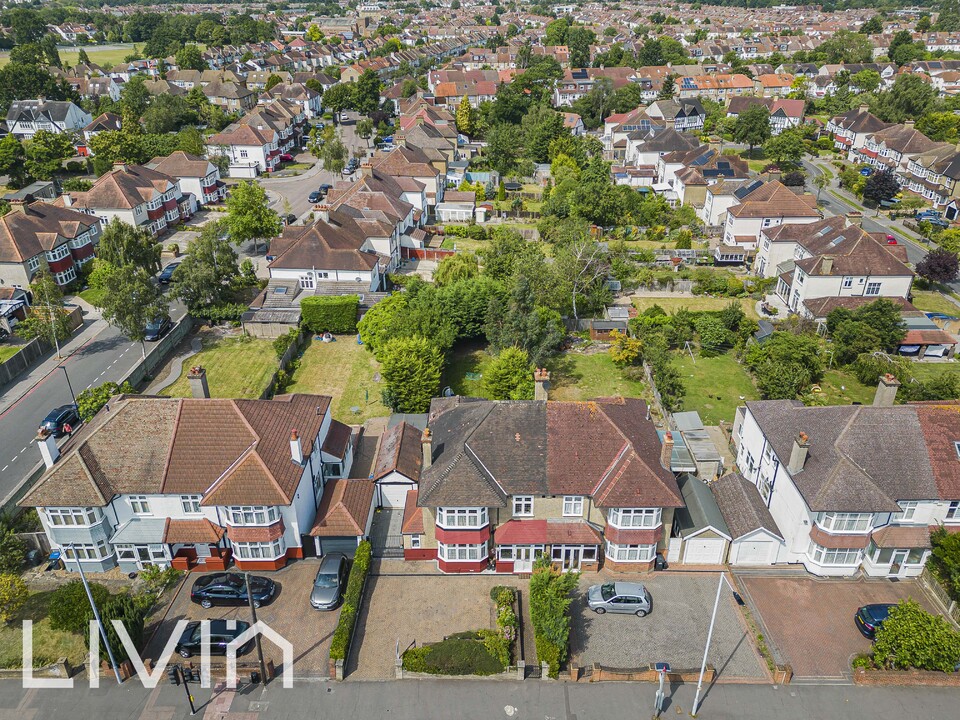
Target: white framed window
190,504
634,517
630,553
243,153
833,556
844,522
461,517
89,551
522,505
33,263
907,511
519,552
58,253
252,514
953,512
139,504
307,282
873,288
462,552
848,282
60,517
573,505
415,542
259,550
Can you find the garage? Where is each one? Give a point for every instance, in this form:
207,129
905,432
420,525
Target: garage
393,495
753,552
704,551
755,537
345,545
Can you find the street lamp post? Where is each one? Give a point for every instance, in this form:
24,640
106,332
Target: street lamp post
253,613
96,613
706,649
69,386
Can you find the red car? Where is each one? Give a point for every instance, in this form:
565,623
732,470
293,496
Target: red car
286,157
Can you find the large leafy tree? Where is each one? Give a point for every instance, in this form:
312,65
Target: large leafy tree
25,81
882,185
410,367
207,272
509,376
910,97
752,126
122,244
189,57
338,99
787,146
13,161
911,637
939,265
541,125
131,300
248,215
521,322
48,319
367,92
328,145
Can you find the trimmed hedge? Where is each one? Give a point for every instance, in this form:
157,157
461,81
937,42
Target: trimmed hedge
461,654
334,314
340,645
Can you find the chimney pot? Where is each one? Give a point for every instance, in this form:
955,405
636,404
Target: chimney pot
426,442
47,443
197,377
541,384
323,212
798,454
666,450
886,391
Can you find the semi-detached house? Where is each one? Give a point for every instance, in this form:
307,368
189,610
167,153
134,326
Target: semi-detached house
854,488
765,207
198,482
250,150
26,117
196,175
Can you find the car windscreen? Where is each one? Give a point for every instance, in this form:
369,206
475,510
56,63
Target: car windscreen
607,591
325,580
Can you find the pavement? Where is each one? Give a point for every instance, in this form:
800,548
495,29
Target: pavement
674,632
95,354
471,700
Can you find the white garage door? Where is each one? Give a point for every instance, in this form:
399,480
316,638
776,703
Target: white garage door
393,496
704,551
754,552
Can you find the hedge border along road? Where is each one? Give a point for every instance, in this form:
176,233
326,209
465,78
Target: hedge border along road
343,635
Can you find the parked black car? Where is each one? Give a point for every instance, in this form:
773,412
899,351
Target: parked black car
871,617
166,275
315,197
325,188
231,589
156,329
59,418
191,641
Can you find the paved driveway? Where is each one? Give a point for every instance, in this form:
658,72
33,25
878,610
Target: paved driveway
675,632
418,609
809,621
289,614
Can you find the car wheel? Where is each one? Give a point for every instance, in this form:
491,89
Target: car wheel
599,611
206,603
186,654
641,613
256,603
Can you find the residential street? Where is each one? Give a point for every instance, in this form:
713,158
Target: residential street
479,700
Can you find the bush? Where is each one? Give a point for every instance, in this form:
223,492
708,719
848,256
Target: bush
474,232
945,560
75,166
340,645
157,579
283,343
12,552
91,400
70,609
13,595
131,614
336,314
549,612
911,637
463,654
225,312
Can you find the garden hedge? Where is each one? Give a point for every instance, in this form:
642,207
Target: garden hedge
340,645
335,314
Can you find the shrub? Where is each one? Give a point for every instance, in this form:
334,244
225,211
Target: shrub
283,343
91,400
463,654
13,594
945,560
340,645
549,612
12,552
863,660
911,637
415,659
70,609
157,579
336,314
474,232
502,595
128,611
225,312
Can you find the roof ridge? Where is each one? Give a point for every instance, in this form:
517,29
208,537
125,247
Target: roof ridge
173,440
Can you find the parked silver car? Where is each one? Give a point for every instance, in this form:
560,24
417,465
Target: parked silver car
330,582
620,597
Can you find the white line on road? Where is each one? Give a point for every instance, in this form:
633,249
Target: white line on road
25,448
88,386
14,459
4,468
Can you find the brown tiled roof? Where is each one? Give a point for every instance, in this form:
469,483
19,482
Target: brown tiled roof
333,245
400,451
940,424
774,199
572,532
858,254
412,515
337,440
742,507
124,187
344,509
28,230
825,539
191,531
257,533
180,165
902,536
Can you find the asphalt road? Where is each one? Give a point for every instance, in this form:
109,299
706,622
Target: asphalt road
107,357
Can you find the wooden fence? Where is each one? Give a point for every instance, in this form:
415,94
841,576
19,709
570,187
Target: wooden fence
932,584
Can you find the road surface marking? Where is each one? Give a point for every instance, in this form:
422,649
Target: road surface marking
3,469
24,448
14,459
88,386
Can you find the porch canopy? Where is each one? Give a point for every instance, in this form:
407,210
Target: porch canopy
192,532
140,531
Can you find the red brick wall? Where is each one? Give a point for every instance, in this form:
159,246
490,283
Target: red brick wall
261,564
462,567
420,554
627,567
504,566
905,677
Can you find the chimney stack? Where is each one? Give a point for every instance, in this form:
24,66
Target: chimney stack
366,169
197,377
427,443
827,265
19,206
886,391
296,449
541,384
666,450
120,165
798,454
48,448
323,212
864,108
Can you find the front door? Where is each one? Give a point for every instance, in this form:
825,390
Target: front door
569,557
897,560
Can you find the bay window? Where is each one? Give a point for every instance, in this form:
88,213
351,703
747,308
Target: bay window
522,505
833,556
253,515
631,553
462,552
90,551
844,522
259,550
461,517
72,516
634,517
573,506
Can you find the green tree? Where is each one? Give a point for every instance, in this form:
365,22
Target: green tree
364,129
752,126
82,57
46,152
367,92
521,322
189,57
714,336
556,32
132,300
91,400
455,268
579,40
13,596
540,126
866,80
249,216
948,17
131,614
168,113
788,146
881,186
69,607
314,34
379,322
625,350
465,117
207,272
122,244
550,598
820,181
26,26
910,97
845,46
410,367
338,99
48,319
134,98
509,376
13,552
911,637
873,26
504,144
13,161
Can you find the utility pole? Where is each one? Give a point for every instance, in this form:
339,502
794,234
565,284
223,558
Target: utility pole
96,614
706,649
253,613
175,673
69,386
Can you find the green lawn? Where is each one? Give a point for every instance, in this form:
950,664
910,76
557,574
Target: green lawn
48,644
928,370
695,303
105,57
237,367
463,244
94,296
933,301
839,387
345,371
467,358
715,386
7,352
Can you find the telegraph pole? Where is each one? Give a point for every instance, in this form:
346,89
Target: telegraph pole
253,613
96,614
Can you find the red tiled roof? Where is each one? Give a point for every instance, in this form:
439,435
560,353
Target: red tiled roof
344,509
412,515
521,532
257,534
576,532
825,539
893,536
928,337
191,531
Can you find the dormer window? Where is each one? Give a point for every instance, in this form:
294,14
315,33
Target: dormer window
956,447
